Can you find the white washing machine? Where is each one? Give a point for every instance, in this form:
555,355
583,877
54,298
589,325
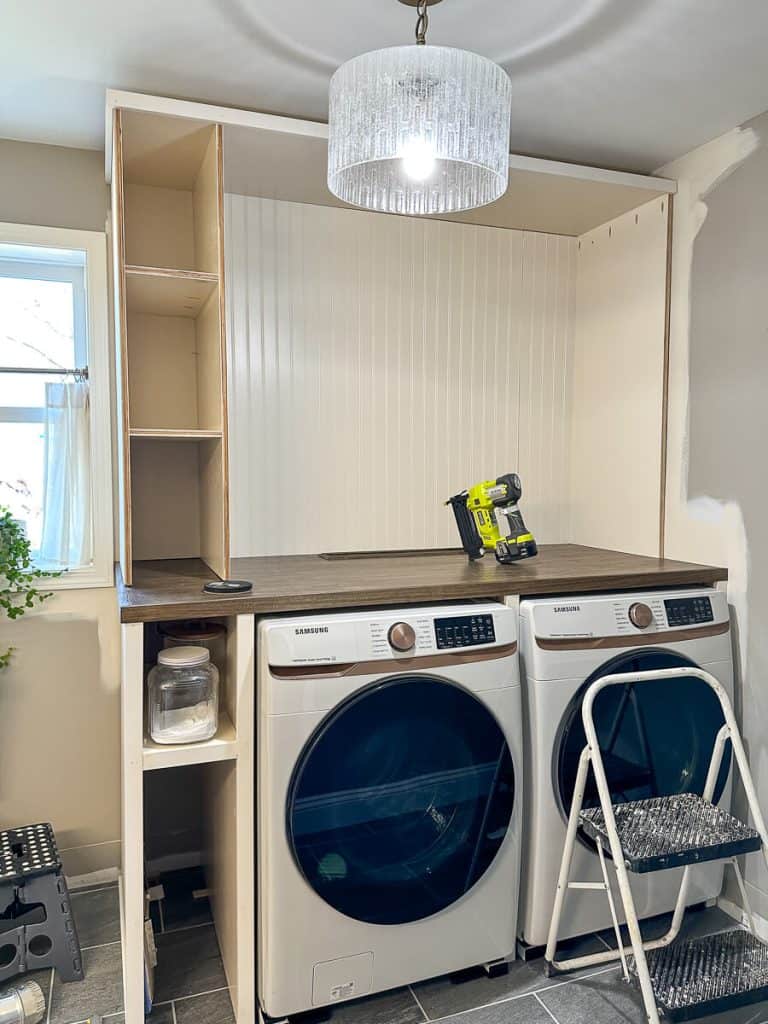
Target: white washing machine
389,799
656,737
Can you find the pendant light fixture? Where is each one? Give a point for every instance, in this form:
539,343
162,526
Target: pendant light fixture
419,129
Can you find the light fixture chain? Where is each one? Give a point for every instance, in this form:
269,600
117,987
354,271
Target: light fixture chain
422,22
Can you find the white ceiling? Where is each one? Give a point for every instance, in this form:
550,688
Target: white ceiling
618,83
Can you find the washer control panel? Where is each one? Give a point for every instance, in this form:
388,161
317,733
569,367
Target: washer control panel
464,631
688,611
417,631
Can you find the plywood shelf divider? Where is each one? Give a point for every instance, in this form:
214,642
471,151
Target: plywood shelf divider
165,292
174,272
161,434
223,747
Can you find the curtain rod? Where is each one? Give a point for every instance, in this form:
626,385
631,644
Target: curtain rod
81,372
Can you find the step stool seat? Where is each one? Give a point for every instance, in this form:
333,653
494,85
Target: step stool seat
711,974
28,851
670,831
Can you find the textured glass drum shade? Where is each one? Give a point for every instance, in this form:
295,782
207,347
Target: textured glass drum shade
418,130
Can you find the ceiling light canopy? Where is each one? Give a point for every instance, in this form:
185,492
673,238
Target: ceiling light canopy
419,129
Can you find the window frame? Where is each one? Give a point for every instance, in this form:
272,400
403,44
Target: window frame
94,244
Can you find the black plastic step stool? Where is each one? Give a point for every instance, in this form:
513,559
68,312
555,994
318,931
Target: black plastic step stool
37,928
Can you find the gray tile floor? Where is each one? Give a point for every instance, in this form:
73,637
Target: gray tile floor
191,988
190,983
526,996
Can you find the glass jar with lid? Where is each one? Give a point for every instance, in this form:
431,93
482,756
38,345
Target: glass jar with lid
183,696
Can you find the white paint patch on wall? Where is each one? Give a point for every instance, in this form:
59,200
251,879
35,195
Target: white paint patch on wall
715,493
699,528
379,364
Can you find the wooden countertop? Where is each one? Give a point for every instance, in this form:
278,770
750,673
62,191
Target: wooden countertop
173,589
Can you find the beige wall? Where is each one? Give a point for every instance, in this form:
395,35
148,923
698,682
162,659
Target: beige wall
59,699
52,186
718,418
59,725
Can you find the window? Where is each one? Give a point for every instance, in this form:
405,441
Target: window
55,472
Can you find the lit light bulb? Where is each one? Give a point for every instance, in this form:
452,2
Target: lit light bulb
418,159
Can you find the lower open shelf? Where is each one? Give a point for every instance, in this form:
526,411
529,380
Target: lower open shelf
223,747
189,874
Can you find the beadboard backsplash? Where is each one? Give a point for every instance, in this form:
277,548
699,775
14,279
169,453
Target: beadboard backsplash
379,364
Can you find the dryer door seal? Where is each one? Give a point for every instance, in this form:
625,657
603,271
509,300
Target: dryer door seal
400,800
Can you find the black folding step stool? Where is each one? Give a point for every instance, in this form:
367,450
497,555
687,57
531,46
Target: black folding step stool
37,928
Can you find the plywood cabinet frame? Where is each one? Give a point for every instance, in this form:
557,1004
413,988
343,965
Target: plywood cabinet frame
117,227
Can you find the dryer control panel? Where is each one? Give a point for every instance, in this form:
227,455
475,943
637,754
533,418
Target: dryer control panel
688,611
651,614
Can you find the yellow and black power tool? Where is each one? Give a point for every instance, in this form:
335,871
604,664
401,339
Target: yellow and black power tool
489,518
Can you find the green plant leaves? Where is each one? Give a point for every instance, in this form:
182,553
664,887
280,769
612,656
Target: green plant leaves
18,575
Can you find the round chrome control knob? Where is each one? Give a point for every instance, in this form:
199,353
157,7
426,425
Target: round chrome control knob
640,615
402,637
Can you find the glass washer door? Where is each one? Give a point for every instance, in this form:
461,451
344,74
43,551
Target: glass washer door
656,738
400,800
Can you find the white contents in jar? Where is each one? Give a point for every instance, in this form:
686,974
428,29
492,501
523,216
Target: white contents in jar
188,725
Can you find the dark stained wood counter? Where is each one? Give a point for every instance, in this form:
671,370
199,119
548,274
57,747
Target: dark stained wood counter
173,589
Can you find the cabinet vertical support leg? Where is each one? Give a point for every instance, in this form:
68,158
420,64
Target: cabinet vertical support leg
132,820
245,1003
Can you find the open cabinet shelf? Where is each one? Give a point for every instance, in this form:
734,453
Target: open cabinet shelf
176,372
170,180
179,497
222,747
160,434
164,292
168,211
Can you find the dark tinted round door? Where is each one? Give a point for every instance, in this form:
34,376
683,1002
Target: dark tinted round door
656,738
400,800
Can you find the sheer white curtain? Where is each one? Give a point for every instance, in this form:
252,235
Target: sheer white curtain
67,538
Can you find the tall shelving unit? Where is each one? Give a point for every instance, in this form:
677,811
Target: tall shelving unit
170,326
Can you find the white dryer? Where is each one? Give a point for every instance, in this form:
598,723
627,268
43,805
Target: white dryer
656,737
389,799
